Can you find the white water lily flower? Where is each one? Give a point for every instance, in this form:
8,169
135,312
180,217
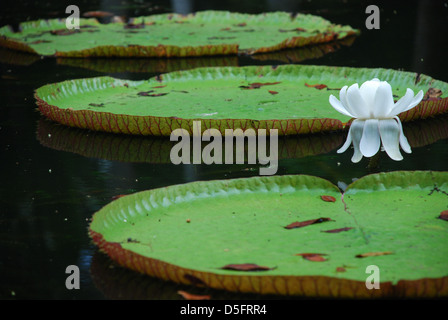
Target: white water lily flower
376,121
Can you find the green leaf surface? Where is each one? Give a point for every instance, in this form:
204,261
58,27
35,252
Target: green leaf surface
174,35
191,231
290,98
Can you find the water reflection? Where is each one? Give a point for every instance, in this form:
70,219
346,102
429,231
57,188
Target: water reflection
156,150
152,65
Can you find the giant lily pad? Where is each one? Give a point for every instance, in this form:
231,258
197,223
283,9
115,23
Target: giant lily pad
291,98
287,235
174,35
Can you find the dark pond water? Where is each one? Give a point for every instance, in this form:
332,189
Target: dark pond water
51,185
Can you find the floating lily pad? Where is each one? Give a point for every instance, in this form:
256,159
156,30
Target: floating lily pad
192,233
175,35
290,98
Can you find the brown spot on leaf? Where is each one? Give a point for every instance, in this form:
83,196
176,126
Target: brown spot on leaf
246,267
96,104
372,254
340,269
444,215
316,257
300,224
317,86
189,296
337,230
150,94
292,30
328,198
433,94
157,87
220,38
243,24
135,26
40,41
257,85
272,92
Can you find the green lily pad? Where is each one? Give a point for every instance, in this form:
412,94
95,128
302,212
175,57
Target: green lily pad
290,98
174,35
287,235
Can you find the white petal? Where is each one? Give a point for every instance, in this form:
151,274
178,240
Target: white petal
415,101
356,129
403,103
403,141
339,106
356,102
343,99
384,101
368,91
390,133
347,143
370,141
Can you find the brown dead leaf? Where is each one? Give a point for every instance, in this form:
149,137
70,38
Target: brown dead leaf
189,296
372,254
246,267
444,215
316,257
337,230
433,94
328,198
299,224
293,30
317,86
257,85
150,94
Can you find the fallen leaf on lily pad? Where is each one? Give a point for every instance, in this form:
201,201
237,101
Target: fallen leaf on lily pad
257,85
373,254
317,86
300,224
337,230
328,198
444,215
317,257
